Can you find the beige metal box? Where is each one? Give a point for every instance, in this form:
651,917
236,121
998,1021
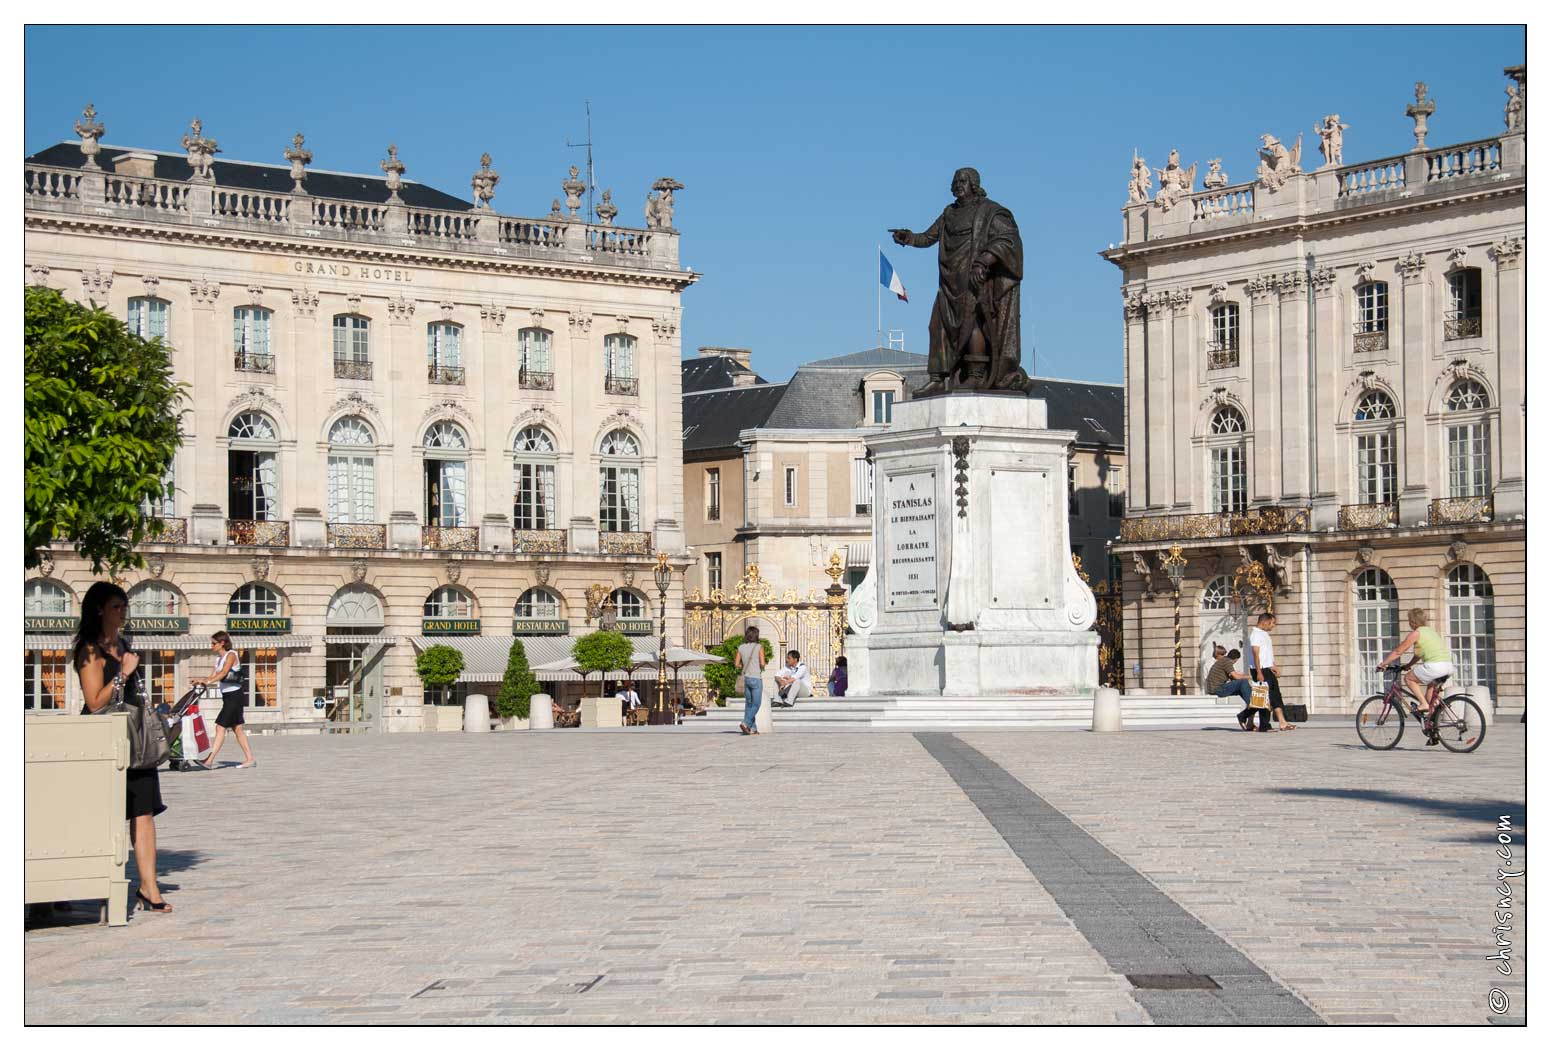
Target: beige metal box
77,839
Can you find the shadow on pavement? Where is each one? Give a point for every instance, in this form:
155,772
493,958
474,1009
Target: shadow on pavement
1485,811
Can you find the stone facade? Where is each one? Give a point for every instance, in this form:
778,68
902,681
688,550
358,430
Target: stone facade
388,397
1325,375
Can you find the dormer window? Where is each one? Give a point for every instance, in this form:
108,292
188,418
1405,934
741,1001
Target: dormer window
882,406
879,393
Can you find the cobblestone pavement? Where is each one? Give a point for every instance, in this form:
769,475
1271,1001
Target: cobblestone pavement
664,877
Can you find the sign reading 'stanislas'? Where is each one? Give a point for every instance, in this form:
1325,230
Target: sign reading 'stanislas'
911,554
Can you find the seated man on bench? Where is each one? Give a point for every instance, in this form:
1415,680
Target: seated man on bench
793,681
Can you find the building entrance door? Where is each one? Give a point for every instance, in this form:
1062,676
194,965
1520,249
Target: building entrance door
353,658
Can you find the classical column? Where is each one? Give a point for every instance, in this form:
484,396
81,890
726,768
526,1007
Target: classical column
1137,444
1414,385
1264,468
1160,404
1325,389
1508,492
1292,381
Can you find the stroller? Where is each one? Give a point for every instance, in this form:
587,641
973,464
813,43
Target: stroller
187,737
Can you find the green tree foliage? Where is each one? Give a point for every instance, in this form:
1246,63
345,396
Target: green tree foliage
724,677
602,651
100,429
438,667
517,686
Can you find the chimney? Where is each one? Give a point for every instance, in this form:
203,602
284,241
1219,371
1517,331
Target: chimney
743,379
741,355
135,165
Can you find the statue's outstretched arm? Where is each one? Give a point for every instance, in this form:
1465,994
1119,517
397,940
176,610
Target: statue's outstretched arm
928,237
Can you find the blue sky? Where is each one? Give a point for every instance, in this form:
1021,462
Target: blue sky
798,147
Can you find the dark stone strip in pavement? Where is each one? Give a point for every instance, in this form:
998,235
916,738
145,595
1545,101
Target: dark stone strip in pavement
1130,922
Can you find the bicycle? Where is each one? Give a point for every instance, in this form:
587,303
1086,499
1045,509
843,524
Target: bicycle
1456,722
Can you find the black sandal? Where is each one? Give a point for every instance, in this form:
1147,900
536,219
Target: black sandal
153,906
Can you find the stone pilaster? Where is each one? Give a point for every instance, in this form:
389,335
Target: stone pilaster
1137,435
205,462
1325,389
1292,381
1160,402
1185,353
1264,466
1414,448
1508,492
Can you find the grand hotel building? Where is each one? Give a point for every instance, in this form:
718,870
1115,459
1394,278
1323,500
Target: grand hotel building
411,419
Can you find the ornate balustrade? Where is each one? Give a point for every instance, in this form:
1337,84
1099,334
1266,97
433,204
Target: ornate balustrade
1454,510
173,531
625,543
1222,354
456,226
539,541
444,373
1366,339
53,183
1224,203
618,240
1458,324
357,535
349,369
248,204
1358,180
1262,521
146,193
348,215
530,379
245,532
246,361
449,538
530,232
627,385
1469,158
1368,516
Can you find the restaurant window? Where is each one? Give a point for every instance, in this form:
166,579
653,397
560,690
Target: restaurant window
46,670
538,604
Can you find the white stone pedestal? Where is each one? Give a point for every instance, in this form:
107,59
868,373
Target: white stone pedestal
972,591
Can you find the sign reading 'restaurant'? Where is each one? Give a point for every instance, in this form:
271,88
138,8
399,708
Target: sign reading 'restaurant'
912,541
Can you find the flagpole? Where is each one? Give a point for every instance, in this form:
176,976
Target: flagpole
878,290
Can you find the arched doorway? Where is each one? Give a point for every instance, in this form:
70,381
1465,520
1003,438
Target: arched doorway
353,656
1220,625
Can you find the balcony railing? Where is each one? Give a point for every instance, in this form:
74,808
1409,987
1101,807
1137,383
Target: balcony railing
449,538
247,361
713,512
1368,516
627,385
1366,338
1262,521
350,369
174,531
1454,510
531,379
1222,354
444,373
1459,324
247,532
625,543
539,541
357,535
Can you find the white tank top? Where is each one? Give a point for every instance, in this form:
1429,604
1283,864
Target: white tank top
228,687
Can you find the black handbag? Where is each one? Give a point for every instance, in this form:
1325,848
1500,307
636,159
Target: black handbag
1296,713
148,745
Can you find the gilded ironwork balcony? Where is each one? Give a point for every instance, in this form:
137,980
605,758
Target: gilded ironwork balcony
1260,521
1462,324
539,541
449,538
357,535
625,543
1369,336
1222,354
627,385
173,531
444,373
248,532
248,361
349,369
1368,516
530,379
1455,510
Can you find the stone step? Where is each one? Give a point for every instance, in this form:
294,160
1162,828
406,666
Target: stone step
1023,713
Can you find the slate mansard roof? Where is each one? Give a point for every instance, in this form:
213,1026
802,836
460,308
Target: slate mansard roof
713,373
713,419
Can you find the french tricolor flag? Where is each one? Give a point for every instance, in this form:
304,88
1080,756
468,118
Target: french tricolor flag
889,279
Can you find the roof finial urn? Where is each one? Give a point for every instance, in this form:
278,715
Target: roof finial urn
607,210
574,188
90,129
1419,111
395,170
484,182
201,152
299,157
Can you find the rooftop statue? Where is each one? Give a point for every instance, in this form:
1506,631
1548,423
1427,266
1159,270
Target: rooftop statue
1277,162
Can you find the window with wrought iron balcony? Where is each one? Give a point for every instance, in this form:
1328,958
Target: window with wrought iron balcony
1463,318
444,352
1370,330
619,373
248,361
1222,349
352,369
533,379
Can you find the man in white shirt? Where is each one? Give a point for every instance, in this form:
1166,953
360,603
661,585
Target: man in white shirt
628,698
1262,667
793,682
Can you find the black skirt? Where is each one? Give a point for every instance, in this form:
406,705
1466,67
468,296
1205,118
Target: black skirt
231,710
142,794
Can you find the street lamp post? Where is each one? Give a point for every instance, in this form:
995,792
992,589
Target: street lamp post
662,573
1174,565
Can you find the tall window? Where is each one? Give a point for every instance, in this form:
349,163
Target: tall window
1472,627
713,570
628,605
444,352
1073,505
882,406
352,472
538,604
619,483
352,347
46,672
263,662
1373,307
1114,488
250,339
1469,450
253,468
533,478
713,494
1377,475
446,475
534,367
861,484
619,355
1230,489
790,477
1463,319
1222,351
451,602
164,505
148,317
159,666
1378,623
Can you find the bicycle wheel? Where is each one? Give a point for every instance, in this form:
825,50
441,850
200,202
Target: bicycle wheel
1459,723
1380,724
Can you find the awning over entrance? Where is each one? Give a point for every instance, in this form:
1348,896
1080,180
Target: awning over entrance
200,642
484,657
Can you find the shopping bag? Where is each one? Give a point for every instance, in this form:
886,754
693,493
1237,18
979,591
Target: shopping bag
1260,695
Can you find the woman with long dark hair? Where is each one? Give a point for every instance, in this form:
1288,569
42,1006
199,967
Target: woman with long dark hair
108,668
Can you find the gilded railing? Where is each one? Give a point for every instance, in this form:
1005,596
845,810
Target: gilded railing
625,543
1459,509
449,538
173,531
357,535
350,369
1461,325
246,532
1260,521
1367,516
539,541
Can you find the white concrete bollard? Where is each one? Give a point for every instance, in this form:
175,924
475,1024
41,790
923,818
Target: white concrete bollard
476,714
541,712
1483,697
762,720
1106,710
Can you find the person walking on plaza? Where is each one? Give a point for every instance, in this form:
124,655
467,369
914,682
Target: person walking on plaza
1263,669
228,672
839,678
750,662
107,669
1434,662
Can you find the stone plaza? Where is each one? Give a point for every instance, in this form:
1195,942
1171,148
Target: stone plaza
690,875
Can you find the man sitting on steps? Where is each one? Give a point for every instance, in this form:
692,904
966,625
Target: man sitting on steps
793,682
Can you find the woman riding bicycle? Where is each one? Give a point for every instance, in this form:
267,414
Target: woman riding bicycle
1433,656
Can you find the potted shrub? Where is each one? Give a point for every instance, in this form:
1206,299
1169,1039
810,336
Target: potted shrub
438,668
517,687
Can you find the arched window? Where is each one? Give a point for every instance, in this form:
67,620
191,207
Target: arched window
444,352
159,665
1377,469
1227,473
148,317
155,599
1222,351
1463,318
1215,596
619,374
263,662
627,604
250,339
253,468
352,347
256,600
535,368
449,601
355,607
619,483
1468,437
46,673
533,480
1472,627
1377,606
352,472
446,475
44,598
538,604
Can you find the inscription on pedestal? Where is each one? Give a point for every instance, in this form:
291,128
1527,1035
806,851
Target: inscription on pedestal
911,555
